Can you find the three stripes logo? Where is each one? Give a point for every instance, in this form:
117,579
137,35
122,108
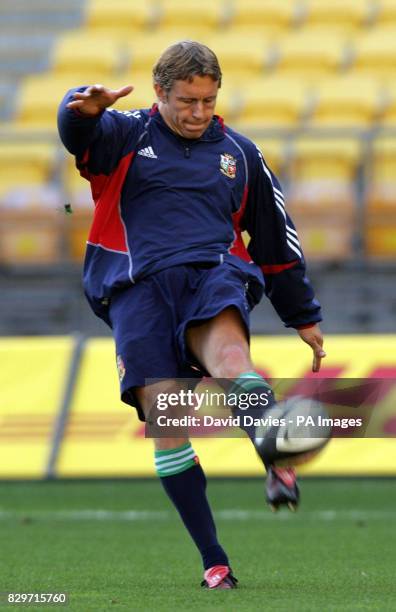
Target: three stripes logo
147,152
291,234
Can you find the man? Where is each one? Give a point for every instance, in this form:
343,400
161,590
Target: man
166,266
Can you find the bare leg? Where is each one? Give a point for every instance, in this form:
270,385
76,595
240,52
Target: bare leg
221,345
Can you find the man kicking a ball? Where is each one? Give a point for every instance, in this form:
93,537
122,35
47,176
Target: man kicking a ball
166,266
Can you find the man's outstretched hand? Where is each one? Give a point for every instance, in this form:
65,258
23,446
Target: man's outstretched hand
313,337
96,98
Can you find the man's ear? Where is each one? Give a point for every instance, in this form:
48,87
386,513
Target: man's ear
161,93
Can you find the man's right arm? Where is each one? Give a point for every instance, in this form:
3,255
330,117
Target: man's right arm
84,124
76,130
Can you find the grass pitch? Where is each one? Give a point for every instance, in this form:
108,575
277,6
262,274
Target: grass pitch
120,546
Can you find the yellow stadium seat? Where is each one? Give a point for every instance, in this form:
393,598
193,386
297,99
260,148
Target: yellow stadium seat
325,236
338,30
375,53
82,52
38,99
382,175
388,116
312,54
266,14
380,216
76,226
227,105
173,33
347,102
30,237
353,14
241,57
273,103
274,152
322,197
36,108
269,35
323,172
120,14
380,235
179,12
77,230
144,50
77,189
143,95
30,223
385,12
25,163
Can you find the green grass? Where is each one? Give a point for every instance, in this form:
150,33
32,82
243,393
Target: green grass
338,553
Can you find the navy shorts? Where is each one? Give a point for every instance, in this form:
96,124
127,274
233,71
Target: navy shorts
149,321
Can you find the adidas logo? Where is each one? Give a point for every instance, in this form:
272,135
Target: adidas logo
147,152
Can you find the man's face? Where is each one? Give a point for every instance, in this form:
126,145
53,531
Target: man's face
189,106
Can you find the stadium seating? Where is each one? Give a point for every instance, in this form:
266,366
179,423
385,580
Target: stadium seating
271,16
32,162
347,102
79,224
39,97
383,173
352,14
374,53
288,68
30,224
274,151
143,95
82,50
322,198
30,237
323,171
268,103
36,107
380,214
241,58
179,13
385,12
314,54
127,17
380,235
388,116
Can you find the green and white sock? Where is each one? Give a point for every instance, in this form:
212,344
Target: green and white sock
247,382
174,460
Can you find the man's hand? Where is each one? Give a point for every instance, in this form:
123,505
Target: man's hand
313,337
96,98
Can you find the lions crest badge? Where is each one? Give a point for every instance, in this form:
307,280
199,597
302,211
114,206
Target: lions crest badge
228,165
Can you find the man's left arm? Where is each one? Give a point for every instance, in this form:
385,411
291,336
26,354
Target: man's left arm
275,247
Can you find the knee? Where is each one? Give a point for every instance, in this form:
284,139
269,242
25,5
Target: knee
231,360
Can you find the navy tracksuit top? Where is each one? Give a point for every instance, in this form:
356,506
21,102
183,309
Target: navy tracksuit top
162,200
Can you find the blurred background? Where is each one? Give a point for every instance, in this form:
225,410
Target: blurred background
313,84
